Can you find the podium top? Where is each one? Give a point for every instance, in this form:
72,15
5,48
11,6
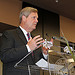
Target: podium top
25,67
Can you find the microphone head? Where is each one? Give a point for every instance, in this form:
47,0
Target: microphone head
53,37
61,37
47,35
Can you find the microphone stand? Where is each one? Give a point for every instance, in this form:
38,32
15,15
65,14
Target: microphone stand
48,58
29,70
48,63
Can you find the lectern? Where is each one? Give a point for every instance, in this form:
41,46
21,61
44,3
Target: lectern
57,64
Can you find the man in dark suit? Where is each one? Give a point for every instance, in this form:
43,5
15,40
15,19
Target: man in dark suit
15,44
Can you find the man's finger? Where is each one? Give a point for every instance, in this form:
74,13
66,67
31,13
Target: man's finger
39,39
36,37
39,42
39,46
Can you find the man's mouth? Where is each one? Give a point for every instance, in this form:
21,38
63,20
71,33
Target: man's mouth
35,23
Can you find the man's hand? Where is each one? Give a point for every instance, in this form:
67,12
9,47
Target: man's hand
44,49
47,45
33,43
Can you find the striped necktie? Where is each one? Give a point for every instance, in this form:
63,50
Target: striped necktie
29,39
28,36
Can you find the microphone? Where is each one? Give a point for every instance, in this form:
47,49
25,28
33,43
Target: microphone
47,35
16,65
22,59
59,39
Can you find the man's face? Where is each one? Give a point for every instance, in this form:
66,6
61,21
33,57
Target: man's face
31,21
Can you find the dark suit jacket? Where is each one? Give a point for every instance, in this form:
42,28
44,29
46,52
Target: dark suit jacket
13,48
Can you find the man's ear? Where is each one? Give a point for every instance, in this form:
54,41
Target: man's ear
23,18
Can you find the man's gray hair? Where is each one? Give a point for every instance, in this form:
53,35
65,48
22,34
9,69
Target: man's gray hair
26,12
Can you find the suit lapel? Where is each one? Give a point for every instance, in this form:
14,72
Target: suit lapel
21,35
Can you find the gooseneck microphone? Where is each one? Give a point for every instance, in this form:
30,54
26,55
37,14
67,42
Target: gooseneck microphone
59,39
47,35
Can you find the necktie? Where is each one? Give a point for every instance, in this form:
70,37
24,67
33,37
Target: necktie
28,36
29,39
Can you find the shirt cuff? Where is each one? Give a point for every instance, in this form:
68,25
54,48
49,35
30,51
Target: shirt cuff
45,56
28,48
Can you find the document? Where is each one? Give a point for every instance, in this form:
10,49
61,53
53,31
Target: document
43,64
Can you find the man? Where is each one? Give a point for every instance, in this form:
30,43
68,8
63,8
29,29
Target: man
16,44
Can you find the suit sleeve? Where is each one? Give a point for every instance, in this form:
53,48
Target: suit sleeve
9,51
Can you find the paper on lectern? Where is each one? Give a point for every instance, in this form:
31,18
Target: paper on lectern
44,65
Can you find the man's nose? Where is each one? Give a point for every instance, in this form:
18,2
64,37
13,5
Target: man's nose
37,20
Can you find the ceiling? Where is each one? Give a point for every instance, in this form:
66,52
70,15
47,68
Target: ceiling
64,8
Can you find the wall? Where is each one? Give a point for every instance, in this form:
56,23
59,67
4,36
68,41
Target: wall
68,27
9,11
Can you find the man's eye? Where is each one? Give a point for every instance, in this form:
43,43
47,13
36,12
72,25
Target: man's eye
34,17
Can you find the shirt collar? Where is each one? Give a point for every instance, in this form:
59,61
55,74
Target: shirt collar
24,31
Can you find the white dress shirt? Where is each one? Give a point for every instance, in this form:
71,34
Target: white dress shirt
25,33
